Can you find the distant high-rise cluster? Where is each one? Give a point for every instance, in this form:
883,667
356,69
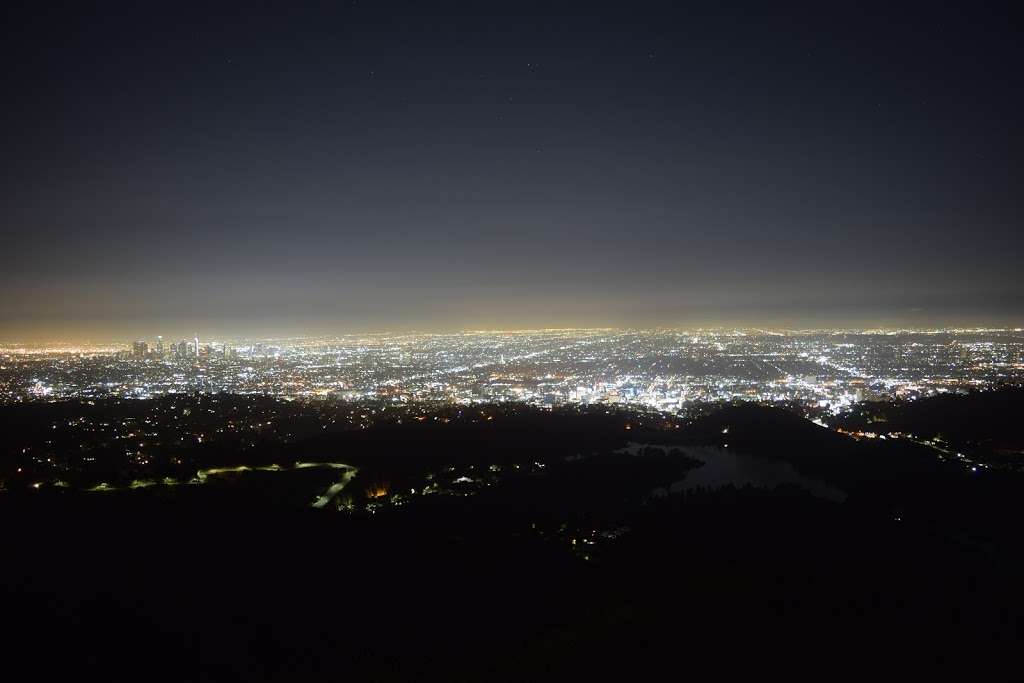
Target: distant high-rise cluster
183,351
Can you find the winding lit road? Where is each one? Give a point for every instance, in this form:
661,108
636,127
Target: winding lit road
335,489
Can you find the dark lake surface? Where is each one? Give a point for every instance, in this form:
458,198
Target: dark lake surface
723,467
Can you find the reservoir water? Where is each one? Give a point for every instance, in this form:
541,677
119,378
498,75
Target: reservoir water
723,467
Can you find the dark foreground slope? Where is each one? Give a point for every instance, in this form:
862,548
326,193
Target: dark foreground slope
565,571
982,424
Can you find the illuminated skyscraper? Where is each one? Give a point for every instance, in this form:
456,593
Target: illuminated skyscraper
197,345
140,349
160,346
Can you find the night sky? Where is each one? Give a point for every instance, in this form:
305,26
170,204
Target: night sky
372,166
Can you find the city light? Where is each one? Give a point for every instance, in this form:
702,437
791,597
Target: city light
659,370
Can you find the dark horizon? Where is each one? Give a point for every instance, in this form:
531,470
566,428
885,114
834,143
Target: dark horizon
392,166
